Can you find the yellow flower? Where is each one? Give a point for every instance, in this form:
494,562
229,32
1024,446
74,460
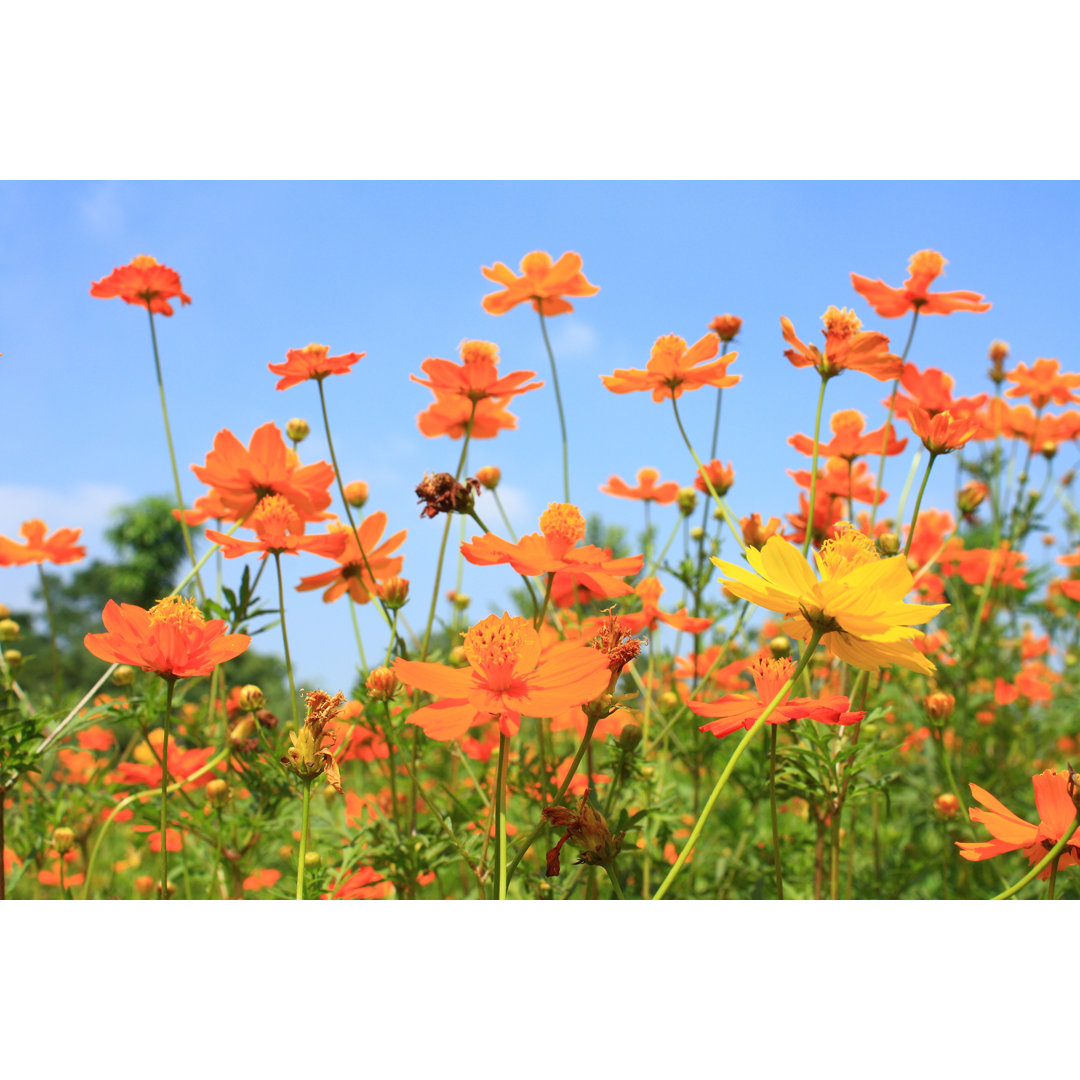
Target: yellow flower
858,601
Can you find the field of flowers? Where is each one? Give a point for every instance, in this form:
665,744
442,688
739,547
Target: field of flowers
842,704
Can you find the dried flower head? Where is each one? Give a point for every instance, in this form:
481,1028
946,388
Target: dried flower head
307,756
442,494
586,829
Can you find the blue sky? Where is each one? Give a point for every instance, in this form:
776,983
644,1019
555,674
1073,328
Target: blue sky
393,270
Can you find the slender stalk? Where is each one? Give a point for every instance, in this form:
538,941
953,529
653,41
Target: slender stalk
356,633
772,806
172,458
285,640
614,877
804,660
303,839
500,818
1039,867
64,894
502,514
1050,885
724,510
348,507
544,606
660,558
888,419
918,503
813,468
719,399
171,685
558,402
52,632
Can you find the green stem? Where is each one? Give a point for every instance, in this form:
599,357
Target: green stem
888,419
285,640
813,468
558,402
52,632
724,510
1039,867
744,742
719,399
502,514
356,633
614,881
500,817
772,805
1049,889
544,606
171,685
660,558
303,839
918,502
172,458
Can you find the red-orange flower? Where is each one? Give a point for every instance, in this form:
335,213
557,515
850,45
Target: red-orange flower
847,348
721,476
1043,383
943,432
542,282
734,711
1057,813
931,390
476,377
648,490
240,476
172,639
849,441
280,531
650,590
204,508
673,368
725,327
58,548
451,415
754,533
507,677
554,549
353,575
842,479
145,770
312,362
914,294
144,281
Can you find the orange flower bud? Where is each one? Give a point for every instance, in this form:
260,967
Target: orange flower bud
394,592
489,476
144,885
297,430
218,793
356,493
381,684
722,477
725,327
5,611
754,533
947,806
939,705
999,351
970,496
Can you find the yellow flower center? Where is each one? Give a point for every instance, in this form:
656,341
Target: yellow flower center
144,262
846,551
274,518
478,352
926,263
562,523
841,323
494,646
177,611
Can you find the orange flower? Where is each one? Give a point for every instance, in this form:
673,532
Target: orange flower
648,490
204,508
541,282
172,639
842,479
144,281
914,295
553,549
849,441
312,362
58,548
262,879
450,416
280,530
1043,383
353,575
931,390
754,533
1011,833
942,433
734,711
476,377
145,771
507,676
725,327
673,368
239,477
650,589
722,477
847,348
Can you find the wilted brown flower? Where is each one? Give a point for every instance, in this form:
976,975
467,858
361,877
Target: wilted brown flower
442,494
307,757
586,829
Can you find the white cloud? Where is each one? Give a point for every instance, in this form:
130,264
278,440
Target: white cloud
573,338
100,211
518,506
